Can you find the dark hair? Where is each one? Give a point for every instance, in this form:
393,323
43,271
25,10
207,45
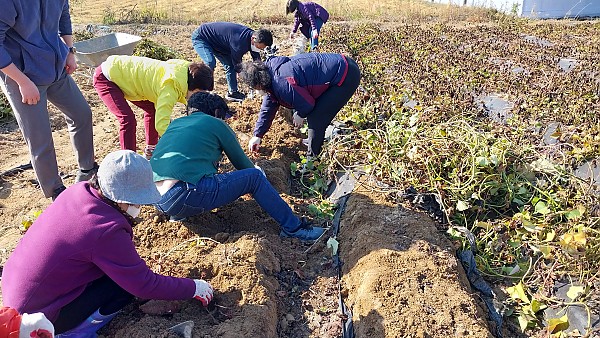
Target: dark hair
263,36
210,104
200,76
256,75
291,7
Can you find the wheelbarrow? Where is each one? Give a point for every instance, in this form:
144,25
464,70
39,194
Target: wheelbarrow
92,52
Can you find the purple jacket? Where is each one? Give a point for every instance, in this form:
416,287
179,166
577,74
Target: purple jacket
30,33
227,39
297,82
306,14
76,240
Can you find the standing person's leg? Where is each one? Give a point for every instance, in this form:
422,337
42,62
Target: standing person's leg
35,126
67,97
94,308
230,73
205,51
149,126
314,42
115,101
328,105
221,189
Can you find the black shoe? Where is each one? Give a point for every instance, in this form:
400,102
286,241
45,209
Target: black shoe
235,96
306,232
57,192
85,175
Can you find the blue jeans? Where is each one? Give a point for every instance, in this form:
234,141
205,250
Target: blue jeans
208,55
307,31
187,199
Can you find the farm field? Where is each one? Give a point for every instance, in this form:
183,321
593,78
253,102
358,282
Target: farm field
495,116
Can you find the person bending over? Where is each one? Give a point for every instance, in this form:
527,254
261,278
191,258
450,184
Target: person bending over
78,264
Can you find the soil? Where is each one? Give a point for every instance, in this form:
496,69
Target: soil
400,275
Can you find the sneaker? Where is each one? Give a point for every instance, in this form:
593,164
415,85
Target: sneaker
148,151
235,96
306,232
85,175
57,192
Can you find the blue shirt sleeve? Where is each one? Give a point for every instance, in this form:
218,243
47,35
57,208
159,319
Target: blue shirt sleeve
64,25
268,109
8,15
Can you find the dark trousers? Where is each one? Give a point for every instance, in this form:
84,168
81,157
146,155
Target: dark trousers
328,105
103,294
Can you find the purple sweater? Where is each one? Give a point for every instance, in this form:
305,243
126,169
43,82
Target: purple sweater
306,14
76,240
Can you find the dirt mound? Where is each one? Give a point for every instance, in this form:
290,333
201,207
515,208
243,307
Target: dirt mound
401,275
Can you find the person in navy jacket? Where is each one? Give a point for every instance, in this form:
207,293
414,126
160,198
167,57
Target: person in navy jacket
228,42
309,17
316,85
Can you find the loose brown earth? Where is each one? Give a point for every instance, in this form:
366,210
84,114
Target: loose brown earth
400,274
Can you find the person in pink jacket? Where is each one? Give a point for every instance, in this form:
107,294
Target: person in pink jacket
78,265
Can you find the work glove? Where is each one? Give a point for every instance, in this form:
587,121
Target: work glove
292,35
35,325
315,34
254,143
204,291
261,170
298,121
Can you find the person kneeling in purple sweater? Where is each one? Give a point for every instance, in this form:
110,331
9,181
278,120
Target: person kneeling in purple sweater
77,263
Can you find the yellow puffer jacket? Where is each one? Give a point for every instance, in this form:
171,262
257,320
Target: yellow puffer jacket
162,82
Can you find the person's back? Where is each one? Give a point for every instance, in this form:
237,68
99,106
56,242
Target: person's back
52,264
226,38
192,147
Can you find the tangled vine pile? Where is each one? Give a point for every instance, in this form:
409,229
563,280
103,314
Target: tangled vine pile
423,119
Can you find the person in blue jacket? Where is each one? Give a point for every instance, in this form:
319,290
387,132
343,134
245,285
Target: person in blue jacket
315,85
228,42
36,59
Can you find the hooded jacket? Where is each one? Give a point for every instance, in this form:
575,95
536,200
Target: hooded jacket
163,83
297,82
30,33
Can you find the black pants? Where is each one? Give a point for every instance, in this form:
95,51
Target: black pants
103,294
328,105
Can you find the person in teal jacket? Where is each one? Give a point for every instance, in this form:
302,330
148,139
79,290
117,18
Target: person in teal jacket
185,169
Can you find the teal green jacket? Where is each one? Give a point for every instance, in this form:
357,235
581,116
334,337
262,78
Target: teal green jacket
192,147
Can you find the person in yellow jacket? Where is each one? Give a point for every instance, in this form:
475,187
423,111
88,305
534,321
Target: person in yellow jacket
152,85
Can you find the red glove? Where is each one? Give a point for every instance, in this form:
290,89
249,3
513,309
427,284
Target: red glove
36,325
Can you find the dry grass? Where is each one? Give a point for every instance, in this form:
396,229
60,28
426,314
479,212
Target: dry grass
272,11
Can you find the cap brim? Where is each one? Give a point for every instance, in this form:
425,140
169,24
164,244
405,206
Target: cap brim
146,196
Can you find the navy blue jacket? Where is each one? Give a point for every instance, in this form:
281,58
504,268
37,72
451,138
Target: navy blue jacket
297,82
227,39
30,33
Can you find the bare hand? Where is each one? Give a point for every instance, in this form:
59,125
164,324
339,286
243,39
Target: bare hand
29,92
71,65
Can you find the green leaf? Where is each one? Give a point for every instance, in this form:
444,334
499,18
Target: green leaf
462,206
518,292
573,214
523,322
541,208
536,305
575,291
558,324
